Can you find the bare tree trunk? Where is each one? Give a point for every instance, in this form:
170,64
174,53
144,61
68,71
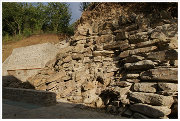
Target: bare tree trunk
19,28
56,28
14,30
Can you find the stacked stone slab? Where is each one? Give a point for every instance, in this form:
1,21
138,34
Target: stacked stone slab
124,61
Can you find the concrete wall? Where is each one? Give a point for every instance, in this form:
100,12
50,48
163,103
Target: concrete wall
29,96
25,62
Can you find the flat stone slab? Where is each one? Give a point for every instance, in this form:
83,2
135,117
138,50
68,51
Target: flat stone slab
145,87
160,74
31,57
140,65
151,111
152,99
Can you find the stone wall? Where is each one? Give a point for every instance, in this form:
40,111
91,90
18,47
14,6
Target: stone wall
120,58
29,96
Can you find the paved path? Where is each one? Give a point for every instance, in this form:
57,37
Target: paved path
20,110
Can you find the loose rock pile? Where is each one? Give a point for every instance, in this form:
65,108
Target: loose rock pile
125,61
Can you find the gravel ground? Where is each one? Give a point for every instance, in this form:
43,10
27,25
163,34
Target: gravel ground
62,110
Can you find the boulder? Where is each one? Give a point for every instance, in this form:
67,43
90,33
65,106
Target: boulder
102,53
153,42
137,51
89,85
160,74
138,37
80,37
117,45
105,32
89,96
140,65
172,44
104,39
142,22
78,48
156,35
108,75
151,111
152,99
56,76
77,56
143,50
133,17
86,60
95,27
162,55
115,23
51,85
133,58
167,27
98,102
133,80
123,84
107,25
81,76
124,54
123,20
131,28
145,87
159,55
132,75
67,59
120,90
88,52
97,58
38,82
168,86
84,28
121,35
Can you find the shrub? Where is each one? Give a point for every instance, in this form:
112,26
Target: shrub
27,32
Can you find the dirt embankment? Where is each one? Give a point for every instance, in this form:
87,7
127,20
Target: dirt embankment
8,47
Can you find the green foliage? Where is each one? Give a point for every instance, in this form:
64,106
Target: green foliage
8,37
25,19
71,28
59,14
83,6
27,32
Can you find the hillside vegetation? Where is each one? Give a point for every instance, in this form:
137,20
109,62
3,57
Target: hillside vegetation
22,19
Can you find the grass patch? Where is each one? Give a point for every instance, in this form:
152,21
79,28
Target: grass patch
9,38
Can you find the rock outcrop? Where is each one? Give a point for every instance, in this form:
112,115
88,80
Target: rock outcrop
120,59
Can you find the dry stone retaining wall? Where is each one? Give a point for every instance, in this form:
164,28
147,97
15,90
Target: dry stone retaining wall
124,61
